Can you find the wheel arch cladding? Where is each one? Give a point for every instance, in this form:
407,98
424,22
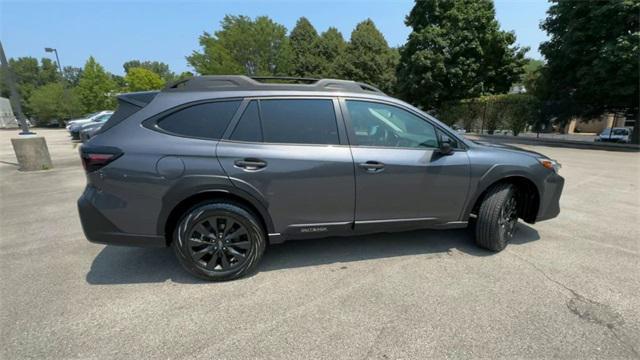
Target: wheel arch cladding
215,195
527,196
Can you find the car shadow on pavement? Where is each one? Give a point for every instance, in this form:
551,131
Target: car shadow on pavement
300,253
125,265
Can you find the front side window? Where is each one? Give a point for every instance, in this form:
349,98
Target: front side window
381,125
299,121
207,120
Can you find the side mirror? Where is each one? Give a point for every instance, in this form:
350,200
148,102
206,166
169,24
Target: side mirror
445,148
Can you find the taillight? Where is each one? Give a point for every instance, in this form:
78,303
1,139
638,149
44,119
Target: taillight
94,158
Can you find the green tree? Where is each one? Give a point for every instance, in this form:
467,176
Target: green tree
531,74
456,51
330,47
52,101
304,53
141,79
368,58
244,46
96,88
49,71
71,75
30,74
592,57
185,75
160,68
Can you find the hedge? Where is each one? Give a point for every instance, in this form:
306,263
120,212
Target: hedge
492,112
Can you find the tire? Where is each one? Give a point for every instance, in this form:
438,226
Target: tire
497,218
219,241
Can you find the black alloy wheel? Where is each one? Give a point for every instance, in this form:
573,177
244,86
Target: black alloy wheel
497,217
219,241
508,217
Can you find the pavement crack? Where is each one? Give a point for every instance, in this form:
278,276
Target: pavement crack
588,309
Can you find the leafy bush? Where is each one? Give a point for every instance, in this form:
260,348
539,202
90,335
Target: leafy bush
54,102
492,112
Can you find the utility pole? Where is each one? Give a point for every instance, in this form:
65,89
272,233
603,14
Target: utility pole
57,58
15,96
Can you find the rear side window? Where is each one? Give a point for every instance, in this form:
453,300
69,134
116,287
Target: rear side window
299,121
248,128
123,111
208,120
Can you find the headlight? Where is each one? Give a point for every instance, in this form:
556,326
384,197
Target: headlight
550,164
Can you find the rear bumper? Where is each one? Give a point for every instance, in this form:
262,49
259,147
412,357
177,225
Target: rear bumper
550,197
98,229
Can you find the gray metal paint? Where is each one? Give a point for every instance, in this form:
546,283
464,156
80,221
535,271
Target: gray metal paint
302,185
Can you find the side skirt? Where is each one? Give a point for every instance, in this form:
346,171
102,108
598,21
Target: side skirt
321,230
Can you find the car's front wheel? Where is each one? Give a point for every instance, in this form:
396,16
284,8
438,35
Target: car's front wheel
497,217
219,241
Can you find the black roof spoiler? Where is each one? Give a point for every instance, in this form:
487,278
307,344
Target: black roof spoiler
141,98
242,82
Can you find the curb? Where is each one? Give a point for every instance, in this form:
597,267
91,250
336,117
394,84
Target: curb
557,143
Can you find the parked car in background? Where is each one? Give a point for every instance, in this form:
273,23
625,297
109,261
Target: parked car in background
74,126
86,118
50,123
619,135
91,128
458,129
220,166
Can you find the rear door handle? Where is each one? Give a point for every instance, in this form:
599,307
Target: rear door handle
250,164
372,166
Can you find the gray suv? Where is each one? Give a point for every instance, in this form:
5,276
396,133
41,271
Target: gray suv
218,167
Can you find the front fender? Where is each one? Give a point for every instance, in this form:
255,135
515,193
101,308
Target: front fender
492,175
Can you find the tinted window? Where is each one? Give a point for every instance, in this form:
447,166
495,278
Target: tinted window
123,111
304,121
248,128
376,124
208,120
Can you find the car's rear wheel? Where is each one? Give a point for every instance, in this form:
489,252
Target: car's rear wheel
497,217
219,241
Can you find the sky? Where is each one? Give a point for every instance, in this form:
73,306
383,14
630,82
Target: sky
117,31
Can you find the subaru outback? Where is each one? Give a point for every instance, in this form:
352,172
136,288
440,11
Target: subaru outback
220,167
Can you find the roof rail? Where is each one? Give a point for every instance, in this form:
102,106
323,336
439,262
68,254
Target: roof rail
242,82
285,79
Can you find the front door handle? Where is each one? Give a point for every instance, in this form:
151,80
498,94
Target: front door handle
250,164
372,166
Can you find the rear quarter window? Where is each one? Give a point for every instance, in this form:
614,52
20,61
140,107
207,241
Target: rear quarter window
207,120
123,111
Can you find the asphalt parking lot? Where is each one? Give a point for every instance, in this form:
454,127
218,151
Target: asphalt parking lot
568,287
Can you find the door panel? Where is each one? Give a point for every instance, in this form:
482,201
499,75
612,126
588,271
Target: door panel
401,178
414,183
302,185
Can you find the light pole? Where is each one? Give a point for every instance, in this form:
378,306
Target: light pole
15,96
48,49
